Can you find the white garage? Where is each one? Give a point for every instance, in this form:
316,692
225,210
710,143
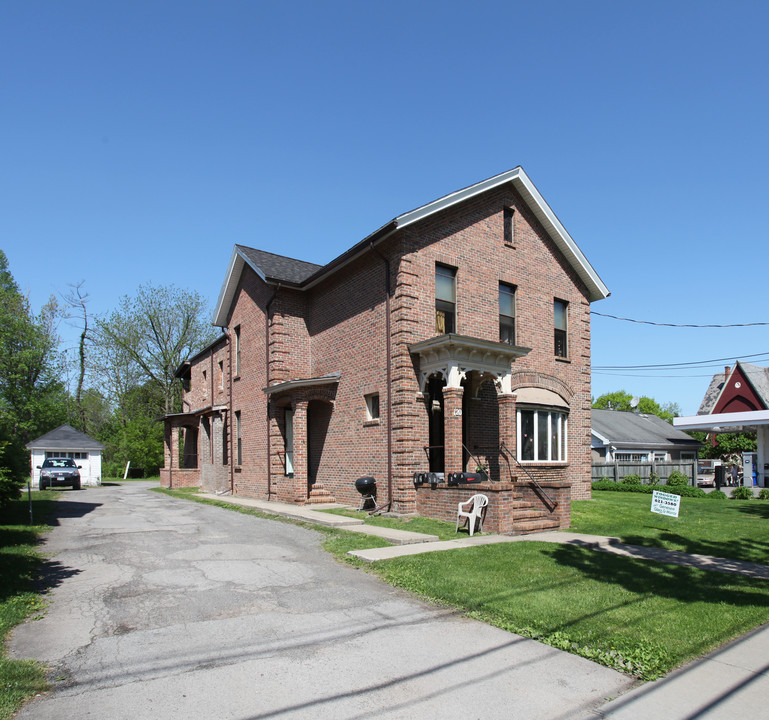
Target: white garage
65,441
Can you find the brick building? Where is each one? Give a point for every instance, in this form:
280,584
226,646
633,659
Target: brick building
454,337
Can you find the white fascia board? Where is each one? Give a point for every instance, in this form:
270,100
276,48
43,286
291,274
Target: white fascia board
538,205
721,420
227,293
598,435
456,197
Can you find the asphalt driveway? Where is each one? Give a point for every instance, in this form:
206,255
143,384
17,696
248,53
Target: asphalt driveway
163,608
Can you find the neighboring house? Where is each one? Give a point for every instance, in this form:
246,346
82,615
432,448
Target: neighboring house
628,437
65,441
456,335
737,400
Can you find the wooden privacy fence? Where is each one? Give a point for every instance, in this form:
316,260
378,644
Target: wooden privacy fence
618,470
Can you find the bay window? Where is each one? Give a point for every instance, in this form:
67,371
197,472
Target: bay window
542,435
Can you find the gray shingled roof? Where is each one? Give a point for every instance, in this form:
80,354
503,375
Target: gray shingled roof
64,437
711,394
627,428
278,267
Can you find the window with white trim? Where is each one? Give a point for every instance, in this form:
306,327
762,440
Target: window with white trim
542,435
631,457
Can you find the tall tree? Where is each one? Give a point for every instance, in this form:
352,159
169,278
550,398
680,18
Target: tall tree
32,398
153,333
622,400
76,301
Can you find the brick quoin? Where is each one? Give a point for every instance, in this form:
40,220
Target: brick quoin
314,343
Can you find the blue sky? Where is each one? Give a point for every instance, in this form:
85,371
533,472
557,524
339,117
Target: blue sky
141,140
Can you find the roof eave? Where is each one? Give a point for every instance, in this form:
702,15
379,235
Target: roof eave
238,260
544,213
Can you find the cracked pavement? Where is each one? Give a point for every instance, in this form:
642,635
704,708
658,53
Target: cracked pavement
164,608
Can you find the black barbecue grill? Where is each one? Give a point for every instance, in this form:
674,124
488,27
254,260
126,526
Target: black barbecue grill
366,486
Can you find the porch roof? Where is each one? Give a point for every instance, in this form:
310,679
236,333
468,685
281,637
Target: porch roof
453,356
330,379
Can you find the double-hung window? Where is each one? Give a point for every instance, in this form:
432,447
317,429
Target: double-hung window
542,435
560,319
237,351
238,439
506,313
289,438
445,299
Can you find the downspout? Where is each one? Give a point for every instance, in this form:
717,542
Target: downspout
389,379
267,384
231,417
211,421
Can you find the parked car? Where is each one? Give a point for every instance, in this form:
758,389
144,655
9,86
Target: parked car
57,471
706,477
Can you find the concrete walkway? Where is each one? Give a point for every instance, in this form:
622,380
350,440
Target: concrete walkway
411,543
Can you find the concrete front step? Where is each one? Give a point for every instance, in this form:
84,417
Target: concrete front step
534,526
531,514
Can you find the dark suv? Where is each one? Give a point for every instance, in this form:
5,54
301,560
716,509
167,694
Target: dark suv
59,471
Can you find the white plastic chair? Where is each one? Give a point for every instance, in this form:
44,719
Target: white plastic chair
477,505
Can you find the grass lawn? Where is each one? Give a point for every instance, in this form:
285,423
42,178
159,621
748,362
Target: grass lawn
19,564
444,530
640,617
737,529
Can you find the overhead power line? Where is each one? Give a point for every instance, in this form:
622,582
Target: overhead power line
682,365
676,325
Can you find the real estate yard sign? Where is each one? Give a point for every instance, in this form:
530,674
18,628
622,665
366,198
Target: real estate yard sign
665,503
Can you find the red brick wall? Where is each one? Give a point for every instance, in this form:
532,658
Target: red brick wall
339,325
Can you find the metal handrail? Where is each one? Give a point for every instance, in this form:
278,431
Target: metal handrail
538,487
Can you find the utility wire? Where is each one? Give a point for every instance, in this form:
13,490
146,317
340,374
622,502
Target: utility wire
681,365
659,324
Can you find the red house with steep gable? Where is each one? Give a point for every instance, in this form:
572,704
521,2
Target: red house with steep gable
737,400
456,336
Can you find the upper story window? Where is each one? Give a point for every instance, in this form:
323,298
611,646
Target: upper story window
506,313
509,226
560,319
237,350
445,299
221,374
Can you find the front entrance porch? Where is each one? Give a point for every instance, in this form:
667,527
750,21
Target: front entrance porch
471,424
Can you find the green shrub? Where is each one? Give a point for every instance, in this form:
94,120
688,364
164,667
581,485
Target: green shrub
716,495
621,487
682,490
742,493
631,479
763,494
677,479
